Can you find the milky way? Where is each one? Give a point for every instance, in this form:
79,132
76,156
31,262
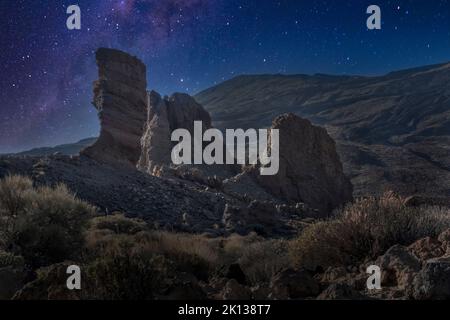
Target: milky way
190,45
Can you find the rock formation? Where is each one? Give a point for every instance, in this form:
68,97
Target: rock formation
120,96
136,129
164,116
155,142
310,169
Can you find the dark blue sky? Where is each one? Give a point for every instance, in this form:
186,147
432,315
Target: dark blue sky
189,45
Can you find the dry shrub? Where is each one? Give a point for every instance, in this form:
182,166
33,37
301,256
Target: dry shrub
189,253
367,229
118,224
128,271
261,260
13,201
235,243
8,259
195,254
122,261
258,258
44,225
321,245
195,245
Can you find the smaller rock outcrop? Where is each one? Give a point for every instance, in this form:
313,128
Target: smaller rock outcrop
310,170
399,267
433,281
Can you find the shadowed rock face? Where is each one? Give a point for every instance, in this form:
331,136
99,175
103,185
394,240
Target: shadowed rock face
120,96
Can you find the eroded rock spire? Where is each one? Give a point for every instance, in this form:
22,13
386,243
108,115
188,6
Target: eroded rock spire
120,96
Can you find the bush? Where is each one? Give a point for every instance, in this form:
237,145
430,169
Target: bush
261,260
188,253
366,229
10,260
180,245
44,225
13,203
129,273
119,224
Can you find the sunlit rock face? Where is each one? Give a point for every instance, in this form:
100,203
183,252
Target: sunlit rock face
165,115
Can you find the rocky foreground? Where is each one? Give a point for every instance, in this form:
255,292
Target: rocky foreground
122,259
420,271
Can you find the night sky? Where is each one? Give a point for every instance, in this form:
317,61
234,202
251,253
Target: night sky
189,45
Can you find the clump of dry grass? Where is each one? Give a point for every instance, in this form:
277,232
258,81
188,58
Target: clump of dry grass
189,253
261,260
128,271
44,224
202,256
367,229
117,223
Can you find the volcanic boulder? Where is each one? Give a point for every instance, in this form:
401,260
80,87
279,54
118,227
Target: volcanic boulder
120,96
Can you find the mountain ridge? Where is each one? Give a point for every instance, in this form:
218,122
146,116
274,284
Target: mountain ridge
65,149
405,113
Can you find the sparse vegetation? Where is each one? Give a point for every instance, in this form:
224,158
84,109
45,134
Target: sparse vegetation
43,224
45,229
261,260
366,229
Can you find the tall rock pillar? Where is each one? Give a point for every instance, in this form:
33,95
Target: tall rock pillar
120,97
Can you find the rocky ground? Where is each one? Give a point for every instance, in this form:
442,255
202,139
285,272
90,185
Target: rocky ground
186,204
420,271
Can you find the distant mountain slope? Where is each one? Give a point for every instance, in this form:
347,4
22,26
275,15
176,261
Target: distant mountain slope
66,149
395,108
393,131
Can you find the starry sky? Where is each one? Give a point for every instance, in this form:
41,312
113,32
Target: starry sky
189,45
